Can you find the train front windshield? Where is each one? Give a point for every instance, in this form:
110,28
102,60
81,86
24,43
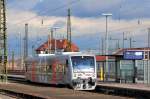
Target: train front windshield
83,63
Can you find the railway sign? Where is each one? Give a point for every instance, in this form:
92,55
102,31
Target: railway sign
133,55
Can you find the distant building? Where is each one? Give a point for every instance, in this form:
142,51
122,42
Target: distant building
61,45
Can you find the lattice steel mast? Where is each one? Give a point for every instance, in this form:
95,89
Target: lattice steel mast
69,31
3,40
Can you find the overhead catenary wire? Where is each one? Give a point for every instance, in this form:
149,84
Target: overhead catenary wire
48,10
61,7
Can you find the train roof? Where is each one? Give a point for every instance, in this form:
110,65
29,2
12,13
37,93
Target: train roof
68,54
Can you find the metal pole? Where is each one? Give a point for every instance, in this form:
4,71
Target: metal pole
102,46
21,50
69,31
48,42
106,39
25,45
12,60
32,50
3,40
26,42
51,38
148,68
99,46
51,33
148,37
130,42
148,60
106,53
123,40
118,44
55,41
55,28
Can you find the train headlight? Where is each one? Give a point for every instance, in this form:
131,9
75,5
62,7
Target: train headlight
93,75
75,75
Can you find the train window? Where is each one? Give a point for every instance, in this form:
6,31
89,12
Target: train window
81,63
57,68
49,68
43,69
63,68
66,63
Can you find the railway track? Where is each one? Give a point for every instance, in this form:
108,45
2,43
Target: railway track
19,95
20,88
16,94
99,90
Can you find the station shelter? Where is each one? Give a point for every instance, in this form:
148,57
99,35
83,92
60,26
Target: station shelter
106,73
130,65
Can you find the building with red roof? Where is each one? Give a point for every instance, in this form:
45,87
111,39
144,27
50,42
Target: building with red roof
61,45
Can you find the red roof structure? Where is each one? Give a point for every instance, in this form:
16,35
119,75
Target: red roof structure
61,44
100,58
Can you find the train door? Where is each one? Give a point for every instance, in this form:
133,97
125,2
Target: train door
68,70
67,74
58,70
42,70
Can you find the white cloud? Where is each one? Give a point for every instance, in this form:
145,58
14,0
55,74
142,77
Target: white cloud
80,26
126,9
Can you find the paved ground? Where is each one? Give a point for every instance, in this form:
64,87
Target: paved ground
142,87
5,97
48,91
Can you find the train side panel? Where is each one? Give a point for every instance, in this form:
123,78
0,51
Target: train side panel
52,70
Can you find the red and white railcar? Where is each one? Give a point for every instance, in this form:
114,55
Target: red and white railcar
71,68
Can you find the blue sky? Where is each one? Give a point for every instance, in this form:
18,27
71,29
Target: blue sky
129,16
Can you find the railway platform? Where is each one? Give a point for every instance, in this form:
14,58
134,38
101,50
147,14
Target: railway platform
53,92
138,90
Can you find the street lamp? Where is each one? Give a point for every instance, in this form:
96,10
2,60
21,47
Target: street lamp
106,37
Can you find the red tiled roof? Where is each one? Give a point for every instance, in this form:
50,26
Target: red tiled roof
60,44
100,58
